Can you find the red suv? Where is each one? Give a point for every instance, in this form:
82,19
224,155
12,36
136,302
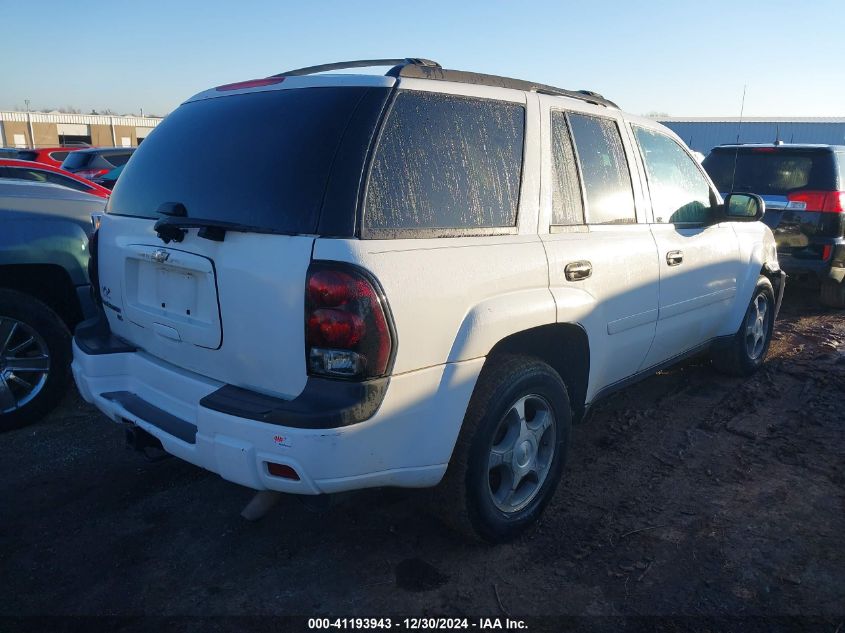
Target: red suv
39,172
53,156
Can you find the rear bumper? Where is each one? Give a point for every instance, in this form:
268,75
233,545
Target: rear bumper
816,269
407,442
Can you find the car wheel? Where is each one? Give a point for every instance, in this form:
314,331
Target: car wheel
745,352
511,450
34,359
833,294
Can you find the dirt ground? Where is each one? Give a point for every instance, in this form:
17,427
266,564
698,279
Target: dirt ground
688,494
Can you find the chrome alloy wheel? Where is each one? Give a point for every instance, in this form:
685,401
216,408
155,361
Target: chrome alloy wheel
521,453
24,364
756,326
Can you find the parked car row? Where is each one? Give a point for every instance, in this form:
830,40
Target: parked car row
92,170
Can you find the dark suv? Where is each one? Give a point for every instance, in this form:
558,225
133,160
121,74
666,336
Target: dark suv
94,162
804,190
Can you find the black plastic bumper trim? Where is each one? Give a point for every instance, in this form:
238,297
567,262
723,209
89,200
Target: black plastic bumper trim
151,414
323,404
94,337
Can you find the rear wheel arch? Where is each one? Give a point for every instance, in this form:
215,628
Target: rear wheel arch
565,347
49,283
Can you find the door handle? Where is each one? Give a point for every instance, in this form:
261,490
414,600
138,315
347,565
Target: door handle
575,271
674,258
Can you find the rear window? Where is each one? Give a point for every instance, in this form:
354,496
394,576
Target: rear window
116,160
261,159
446,162
766,171
77,160
24,155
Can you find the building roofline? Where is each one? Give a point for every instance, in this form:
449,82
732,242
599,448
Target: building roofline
749,119
83,119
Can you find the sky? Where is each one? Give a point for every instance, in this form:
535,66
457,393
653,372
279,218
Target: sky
680,58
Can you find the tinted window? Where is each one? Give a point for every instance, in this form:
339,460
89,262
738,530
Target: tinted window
679,191
37,175
64,181
116,160
567,206
22,173
446,162
604,168
290,137
770,171
59,156
24,155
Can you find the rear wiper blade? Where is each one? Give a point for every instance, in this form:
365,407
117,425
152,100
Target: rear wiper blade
173,228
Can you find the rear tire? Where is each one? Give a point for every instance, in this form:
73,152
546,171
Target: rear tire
34,359
833,294
510,453
745,352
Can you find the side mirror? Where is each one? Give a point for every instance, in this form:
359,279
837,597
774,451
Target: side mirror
744,207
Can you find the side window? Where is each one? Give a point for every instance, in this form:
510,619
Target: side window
567,206
679,192
604,168
445,161
22,173
59,156
64,181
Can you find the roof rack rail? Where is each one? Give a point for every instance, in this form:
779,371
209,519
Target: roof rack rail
419,68
361,63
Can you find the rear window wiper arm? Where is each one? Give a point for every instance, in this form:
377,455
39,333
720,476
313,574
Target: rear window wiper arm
173,228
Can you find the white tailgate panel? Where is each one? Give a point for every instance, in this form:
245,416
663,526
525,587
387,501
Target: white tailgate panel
255,341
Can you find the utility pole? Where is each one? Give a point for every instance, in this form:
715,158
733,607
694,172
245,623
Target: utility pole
29,124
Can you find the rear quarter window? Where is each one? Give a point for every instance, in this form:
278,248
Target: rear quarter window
445,162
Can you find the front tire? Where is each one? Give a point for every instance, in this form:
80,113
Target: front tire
745,352
34,359
511,450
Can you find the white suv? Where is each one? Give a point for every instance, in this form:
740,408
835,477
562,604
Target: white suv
314,283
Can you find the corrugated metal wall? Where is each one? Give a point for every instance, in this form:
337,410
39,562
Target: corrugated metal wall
702,136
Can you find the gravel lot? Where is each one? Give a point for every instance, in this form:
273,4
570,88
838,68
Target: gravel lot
687,494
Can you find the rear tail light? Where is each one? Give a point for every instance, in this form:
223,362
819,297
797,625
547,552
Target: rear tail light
824,201
348,330
827,249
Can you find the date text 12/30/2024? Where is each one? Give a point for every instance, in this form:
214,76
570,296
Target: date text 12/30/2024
417,624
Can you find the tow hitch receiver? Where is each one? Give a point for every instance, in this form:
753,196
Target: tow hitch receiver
138,439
